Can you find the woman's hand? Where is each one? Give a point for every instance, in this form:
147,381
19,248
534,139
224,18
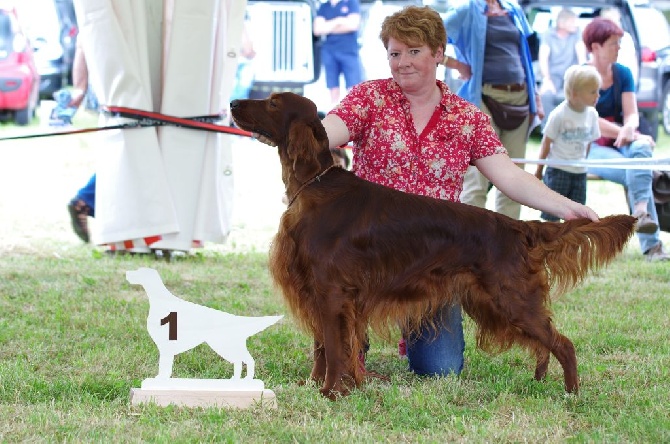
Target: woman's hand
464,71
523,187
574,210
625,136
629,134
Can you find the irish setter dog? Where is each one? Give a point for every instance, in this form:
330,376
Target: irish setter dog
350,254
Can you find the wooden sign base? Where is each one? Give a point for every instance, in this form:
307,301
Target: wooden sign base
176,326
204,398
240,393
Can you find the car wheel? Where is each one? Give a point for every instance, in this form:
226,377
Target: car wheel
666,107
23,116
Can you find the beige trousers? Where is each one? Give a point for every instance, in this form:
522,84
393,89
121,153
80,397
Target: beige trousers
475,185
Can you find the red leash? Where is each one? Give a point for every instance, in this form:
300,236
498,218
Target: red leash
158,119
144,119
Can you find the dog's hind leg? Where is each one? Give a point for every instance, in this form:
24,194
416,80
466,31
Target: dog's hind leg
543,330
564,350
530,320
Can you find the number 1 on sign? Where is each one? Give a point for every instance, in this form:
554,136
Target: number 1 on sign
171,319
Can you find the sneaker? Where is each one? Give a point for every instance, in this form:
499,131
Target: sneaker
79,213
656,253
645,224
402,348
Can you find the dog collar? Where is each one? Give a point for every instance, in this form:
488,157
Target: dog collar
309,182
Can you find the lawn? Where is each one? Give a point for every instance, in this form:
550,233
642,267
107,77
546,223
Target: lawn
73,338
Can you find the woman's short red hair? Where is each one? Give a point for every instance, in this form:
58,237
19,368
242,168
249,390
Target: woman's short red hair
599,31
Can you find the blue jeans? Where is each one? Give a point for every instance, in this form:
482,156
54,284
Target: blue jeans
87,194
638,182
438,352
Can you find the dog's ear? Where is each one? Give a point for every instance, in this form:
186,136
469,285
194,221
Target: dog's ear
303,150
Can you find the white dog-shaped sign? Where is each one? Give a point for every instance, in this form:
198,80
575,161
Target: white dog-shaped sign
176,325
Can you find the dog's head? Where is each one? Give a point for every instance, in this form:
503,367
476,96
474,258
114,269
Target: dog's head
292,123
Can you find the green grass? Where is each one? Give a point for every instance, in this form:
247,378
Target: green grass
73,342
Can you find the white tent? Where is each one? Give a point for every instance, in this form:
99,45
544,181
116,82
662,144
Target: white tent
167,187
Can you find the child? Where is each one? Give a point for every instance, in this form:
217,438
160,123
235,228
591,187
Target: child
570,129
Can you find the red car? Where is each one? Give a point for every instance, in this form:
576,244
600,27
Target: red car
19,79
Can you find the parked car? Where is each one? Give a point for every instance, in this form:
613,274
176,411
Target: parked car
68,33
19,79
287,53
647,27
41,23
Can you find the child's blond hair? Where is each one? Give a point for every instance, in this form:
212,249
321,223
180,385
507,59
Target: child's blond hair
579,77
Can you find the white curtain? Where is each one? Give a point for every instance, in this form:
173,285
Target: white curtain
167,187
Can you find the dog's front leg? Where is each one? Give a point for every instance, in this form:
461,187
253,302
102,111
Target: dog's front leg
338,380
319,368
542,359
165,361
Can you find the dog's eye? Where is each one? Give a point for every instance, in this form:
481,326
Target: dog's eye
273,103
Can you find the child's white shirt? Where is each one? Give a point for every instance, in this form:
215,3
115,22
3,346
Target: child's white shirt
571,133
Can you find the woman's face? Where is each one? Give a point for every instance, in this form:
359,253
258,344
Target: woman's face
609,51
413,67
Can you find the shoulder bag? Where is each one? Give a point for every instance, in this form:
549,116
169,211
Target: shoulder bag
506,117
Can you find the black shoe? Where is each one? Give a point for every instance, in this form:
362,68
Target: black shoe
79,213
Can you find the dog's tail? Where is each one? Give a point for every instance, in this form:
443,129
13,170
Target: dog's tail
571,249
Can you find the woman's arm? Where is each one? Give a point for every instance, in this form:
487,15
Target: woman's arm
626,133
524,188
337,131
464,70
631,119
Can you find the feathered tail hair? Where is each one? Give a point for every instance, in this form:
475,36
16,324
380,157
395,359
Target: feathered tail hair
573,248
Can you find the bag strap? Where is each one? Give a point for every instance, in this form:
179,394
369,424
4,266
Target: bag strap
618,107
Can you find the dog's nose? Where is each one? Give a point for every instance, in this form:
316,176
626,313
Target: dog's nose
234,104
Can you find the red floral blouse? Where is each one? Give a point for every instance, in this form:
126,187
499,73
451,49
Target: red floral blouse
388,151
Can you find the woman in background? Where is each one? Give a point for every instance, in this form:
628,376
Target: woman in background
619,121
493,57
